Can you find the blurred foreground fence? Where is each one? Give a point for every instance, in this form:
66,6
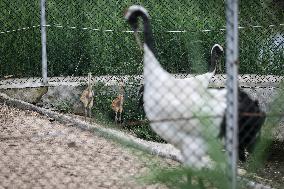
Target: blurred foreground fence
92,36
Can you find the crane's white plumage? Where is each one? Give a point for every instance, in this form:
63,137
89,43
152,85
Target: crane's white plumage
176,108
204,79
179,109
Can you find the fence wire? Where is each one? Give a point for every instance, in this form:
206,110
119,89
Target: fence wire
84,37
173,95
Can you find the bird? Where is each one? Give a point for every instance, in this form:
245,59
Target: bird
87,98
215,53
117,103
167,99
177,108
250,120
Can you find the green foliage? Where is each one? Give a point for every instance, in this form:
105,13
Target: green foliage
64,106
20,51
133,117
78,51
145,132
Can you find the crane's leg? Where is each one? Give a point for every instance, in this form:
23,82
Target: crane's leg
90,114
189,179
201,183
253,143
242,154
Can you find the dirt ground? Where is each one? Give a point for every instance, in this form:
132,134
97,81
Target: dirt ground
38,152
273,171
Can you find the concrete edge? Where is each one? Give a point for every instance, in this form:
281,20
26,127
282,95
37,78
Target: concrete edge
218,81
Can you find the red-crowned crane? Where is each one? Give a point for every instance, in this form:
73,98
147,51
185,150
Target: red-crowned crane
177,108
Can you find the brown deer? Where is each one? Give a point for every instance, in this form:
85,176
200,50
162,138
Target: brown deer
117,103
87,98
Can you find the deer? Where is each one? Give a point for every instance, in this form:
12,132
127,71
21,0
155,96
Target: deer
87,98
117,103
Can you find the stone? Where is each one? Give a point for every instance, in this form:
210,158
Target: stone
31,95
64,98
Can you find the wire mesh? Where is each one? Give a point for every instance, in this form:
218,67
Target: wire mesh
92,36
20,39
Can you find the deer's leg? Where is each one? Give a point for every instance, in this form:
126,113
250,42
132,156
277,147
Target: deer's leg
86,113
115,117
120,116
90,114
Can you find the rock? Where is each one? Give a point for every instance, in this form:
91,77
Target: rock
71,144
242,172
64,98
31,95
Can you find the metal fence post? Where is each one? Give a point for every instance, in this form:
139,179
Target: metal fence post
43,41
232,55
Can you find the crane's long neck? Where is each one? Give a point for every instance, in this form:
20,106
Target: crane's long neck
152,67
148,35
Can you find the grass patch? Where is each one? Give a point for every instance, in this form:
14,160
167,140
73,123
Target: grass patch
133,117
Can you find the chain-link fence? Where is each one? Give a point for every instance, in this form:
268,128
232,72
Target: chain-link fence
91,36
182,93
20,39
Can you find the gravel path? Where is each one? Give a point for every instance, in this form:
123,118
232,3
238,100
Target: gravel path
37,152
